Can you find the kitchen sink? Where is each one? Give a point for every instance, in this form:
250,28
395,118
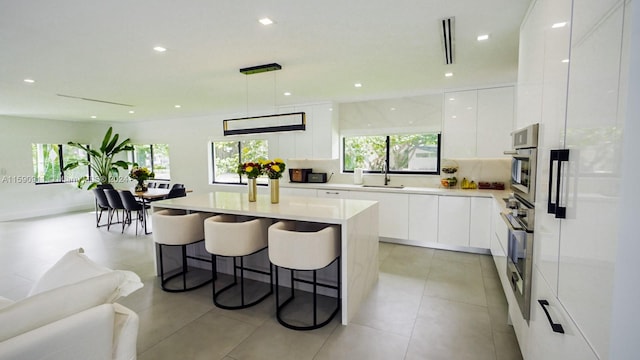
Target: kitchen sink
384,186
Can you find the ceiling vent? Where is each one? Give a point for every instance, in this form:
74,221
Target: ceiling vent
447,39
260,68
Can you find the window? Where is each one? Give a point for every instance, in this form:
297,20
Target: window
405,154
50,159
227,155
155,157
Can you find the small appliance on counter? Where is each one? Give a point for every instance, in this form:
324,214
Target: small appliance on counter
299,175
317,178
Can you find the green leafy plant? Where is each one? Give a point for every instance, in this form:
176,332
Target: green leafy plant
101,161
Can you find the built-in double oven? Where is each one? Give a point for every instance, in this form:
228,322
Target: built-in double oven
520,215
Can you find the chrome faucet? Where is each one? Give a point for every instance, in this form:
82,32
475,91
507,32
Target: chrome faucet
385,171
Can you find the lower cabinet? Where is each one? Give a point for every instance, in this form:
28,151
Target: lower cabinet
545,343
423,218
480,222
298,192
340,194
454,220
393,212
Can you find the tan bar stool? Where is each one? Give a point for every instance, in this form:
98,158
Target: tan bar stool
179,228
228,236
304,247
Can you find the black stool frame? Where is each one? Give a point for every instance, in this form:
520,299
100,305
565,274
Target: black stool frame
315,283
183,273
243,305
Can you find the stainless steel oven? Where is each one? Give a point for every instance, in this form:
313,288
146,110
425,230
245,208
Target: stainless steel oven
523,163
519,254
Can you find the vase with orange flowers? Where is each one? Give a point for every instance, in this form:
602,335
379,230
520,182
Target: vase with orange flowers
274,169
252,170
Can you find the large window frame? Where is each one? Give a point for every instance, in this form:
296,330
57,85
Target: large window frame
151,162
60,177
387,155
239,147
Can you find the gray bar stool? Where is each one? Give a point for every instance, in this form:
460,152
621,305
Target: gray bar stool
229,236
179,228
304,247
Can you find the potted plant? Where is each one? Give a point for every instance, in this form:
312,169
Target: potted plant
101,161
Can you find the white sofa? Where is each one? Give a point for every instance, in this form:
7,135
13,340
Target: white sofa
70,314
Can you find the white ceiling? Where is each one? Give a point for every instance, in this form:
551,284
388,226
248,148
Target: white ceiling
104,50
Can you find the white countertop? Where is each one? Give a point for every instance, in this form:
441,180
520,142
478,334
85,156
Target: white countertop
325,210
404,190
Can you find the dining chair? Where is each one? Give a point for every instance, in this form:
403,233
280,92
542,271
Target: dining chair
101,204
151,185
163,185
130,204
176,192
115,204
177,186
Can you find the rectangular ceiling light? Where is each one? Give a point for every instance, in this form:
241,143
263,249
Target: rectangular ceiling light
260,68
447,39
263,124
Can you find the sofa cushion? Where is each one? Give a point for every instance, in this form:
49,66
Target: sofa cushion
85,335
4,302
75,266
51,305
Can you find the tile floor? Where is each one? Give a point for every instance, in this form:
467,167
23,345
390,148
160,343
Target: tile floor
428,304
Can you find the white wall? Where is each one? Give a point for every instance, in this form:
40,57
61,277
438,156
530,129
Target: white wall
19,196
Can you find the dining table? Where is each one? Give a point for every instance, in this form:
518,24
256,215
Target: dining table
146,197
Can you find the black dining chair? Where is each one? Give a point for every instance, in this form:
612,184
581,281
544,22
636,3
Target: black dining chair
130,204
115,204
176,192
101,205
177,186
163,185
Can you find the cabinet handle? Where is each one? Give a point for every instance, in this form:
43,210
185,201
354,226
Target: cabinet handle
557,156
556,327
331,193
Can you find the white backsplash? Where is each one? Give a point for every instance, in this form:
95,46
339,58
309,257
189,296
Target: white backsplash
490,170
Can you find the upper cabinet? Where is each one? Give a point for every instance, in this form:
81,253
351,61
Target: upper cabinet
318,141
478,123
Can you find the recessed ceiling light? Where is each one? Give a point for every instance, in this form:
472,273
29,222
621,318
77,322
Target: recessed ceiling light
452,99
287,93
131,112
93,116
483,37
160,49
565,60
448,74
453,117
357,85
393,109
559,25
30,81
266,21
177,106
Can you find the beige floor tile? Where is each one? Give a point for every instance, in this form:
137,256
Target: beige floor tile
210,336
408,261
456,256
393,304
458,281
451,330
506,346
274,341
360,342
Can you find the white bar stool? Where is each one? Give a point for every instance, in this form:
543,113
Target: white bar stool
228,236
311,247
179,228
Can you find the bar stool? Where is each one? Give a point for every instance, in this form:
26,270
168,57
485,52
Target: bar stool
228,236
179,228
304,247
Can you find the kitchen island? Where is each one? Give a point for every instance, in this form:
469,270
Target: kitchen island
358,221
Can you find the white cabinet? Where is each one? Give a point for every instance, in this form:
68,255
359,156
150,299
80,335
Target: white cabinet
454,220
340,194
480,222
393,211
320,138
545,342
495,121
460,125
579,108
478,123
298,191
423,218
